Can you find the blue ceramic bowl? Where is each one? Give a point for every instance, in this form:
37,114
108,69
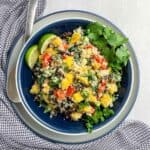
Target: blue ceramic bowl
25,81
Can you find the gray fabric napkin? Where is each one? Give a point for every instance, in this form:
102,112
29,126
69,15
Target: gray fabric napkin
131,135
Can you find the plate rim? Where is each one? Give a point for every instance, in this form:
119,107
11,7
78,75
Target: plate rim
87,12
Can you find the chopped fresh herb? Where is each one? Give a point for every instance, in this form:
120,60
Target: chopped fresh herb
83,104
47,109
89,126
113,38
85,93
54,81
94,29
41,80
107,112
77,57
122,54
98,116
72,49
110,43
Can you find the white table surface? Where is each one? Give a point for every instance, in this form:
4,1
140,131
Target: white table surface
133,18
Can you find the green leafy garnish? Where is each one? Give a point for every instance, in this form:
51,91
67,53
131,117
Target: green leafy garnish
110,43
41,80
114,39
82,105
85,93
47,109
98,116
54,81
122,54
107,112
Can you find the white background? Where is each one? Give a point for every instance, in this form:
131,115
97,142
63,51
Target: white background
133,18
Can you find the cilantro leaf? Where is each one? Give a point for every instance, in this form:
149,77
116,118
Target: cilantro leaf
110,43
122,54
47,109
113,38
98,116
95,28
107,112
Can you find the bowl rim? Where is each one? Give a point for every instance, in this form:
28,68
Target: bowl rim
17,66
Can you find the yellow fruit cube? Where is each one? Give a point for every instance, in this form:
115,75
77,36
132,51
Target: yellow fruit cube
35,88
51,51
67,81
75,37
57,41
46,89
96,65
106,100
65,84
88,109
75,116
77,97
92,98
83,80
69,76
112,88
69,61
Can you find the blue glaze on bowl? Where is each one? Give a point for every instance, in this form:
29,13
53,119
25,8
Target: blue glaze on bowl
25,82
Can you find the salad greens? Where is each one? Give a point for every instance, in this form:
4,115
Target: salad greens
110,43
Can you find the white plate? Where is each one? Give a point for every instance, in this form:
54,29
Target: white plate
40,129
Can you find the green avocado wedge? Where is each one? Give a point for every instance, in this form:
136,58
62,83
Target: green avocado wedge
31,56
44,41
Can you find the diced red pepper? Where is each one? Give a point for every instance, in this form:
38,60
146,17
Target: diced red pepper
101,89
70,91
66,46
64,56
102,86
88,46
99,59
46,59
103,82
60,94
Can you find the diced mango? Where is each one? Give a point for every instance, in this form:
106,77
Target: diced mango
75,37
46,89
35,88
77,97
106,100
96,65
88,109
67,81
75,116
51,51
69,76
92,98
65,84
57,41
83,80
112,88
68,61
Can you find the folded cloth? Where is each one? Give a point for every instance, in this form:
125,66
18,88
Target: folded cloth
131,135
